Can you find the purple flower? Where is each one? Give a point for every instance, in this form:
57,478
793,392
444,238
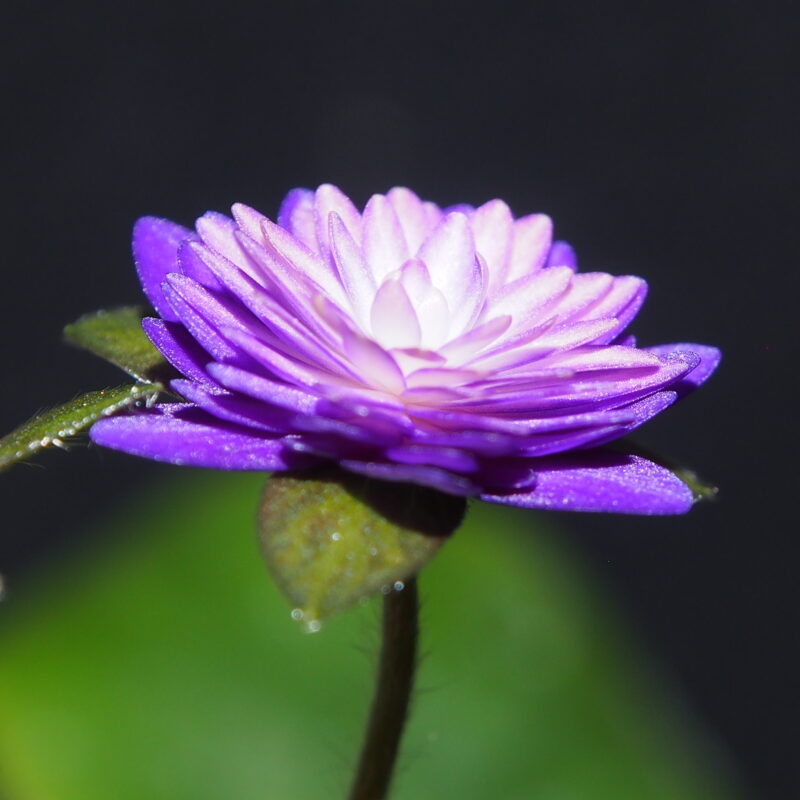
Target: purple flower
454,348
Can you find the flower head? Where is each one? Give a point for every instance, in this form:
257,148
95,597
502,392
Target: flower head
454,348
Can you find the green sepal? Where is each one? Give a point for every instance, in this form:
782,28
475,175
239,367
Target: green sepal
331,538
117,336
56,426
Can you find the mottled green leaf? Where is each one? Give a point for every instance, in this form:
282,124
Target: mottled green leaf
334,538
56,426
117,336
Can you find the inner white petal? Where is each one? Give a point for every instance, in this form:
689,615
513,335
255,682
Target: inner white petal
492,226
430,305
393,318
353,271
383,242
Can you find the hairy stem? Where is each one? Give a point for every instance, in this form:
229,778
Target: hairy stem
395,679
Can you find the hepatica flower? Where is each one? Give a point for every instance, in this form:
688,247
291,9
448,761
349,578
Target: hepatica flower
455,348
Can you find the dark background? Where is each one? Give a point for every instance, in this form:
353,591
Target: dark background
661,137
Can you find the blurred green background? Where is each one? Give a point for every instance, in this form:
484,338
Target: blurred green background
166,665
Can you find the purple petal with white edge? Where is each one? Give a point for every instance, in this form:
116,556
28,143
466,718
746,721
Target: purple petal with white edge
373,436
553,340
287,286
179,348
199,442
643,410
216,308
433,395
235,407
585,290
302,260
393,319
414,473
449,458
528,298
284,367
372,362
264,389
297,216
354,272
385,247
367,408
441,376
539,445
329,448
204,334
562,254
474,340
593,391
623,301
155,252
602,481
298,334
331,200
617,424
492,226
411,212
249,221
192,266
221,235
433,214
590,357
709,361
530,246
570,335
451,422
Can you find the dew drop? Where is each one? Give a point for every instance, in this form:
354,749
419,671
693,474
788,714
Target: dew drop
399,586
297,614
336,536
313,626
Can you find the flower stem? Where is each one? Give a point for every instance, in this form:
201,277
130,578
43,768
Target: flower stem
395,679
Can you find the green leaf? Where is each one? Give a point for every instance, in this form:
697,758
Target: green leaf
117,336
56,426
334,538
701,489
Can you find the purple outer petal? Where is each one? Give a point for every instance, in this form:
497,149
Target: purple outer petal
600,480
179,348
241,410
407,473
709,360
562,254
155,251
199,441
